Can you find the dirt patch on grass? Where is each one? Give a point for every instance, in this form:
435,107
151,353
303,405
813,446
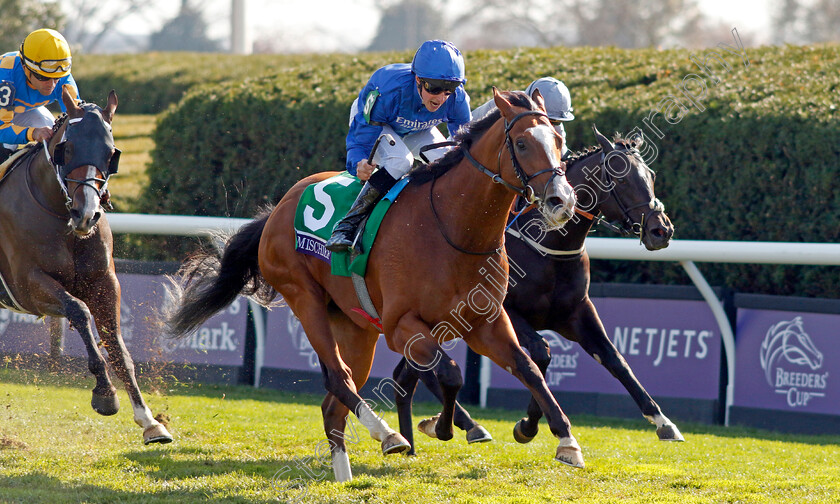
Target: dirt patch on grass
7,443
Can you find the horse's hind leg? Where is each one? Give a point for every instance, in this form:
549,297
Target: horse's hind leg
590,333
334,336
526,428
407,377
105,307
335,421
436,369
51,298
407,380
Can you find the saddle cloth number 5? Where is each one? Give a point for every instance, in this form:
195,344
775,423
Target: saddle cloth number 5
324,199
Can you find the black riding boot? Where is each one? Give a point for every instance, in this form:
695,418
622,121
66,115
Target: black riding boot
344,232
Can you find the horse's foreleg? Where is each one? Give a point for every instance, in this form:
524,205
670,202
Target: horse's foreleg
503,349
526,428
590,333
106,316
53,299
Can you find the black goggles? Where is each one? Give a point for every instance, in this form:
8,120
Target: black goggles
438,86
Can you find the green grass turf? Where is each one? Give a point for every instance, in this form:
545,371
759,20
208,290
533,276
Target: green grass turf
238,444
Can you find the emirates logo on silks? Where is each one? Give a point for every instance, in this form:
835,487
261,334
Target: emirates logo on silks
789,359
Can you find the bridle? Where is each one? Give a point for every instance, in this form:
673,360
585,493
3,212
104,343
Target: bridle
58,162
526,191
626,226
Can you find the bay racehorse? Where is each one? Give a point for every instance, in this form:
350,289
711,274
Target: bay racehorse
56,246
550,288
436,272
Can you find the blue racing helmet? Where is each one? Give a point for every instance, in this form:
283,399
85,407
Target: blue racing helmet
439,60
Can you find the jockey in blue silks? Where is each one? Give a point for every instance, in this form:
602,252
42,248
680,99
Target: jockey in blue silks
407,102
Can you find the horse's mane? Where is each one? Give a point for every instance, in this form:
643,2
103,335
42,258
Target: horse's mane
465,137
575,156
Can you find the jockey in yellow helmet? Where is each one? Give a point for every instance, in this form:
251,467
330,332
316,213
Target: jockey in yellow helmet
30,79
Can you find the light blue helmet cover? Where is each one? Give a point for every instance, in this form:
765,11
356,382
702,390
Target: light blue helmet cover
439,59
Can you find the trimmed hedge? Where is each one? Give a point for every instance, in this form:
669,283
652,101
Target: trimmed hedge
755,159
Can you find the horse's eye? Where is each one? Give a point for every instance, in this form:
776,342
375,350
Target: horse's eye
520,144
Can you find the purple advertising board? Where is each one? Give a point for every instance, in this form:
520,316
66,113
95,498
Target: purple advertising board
286,347
219,341
672,346
23,334
787,361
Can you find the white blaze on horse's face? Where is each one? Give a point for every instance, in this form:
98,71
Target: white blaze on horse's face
84,210
558,204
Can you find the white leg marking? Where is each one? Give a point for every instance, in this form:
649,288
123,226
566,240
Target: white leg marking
143,417
378,428
341,466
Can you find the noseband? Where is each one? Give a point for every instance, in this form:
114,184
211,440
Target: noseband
627,227
57,162
526,191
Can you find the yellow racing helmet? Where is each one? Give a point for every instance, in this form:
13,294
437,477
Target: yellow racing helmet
45,52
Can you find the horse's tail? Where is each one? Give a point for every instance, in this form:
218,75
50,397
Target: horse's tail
207,283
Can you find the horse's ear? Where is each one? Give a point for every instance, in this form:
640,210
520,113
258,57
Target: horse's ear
501,102
110,109
538,98
69,99
604,141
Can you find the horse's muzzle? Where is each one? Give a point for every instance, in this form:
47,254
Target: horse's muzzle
558,205
657,232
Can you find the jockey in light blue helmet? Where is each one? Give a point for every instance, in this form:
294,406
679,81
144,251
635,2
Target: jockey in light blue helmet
407,102
558,104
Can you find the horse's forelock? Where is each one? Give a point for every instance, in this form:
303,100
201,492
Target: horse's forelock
465,137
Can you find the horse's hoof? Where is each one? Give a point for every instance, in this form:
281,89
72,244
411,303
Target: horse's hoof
568,452
156,434
394,443
478,434
427,426
519,433
669,432
105,405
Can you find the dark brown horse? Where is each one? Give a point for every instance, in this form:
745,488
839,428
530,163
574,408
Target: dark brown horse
56,246
551,288
436,272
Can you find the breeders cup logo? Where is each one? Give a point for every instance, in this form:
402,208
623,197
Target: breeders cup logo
5,317
563,365
300,342
789,359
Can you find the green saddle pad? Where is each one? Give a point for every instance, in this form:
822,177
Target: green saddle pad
320,208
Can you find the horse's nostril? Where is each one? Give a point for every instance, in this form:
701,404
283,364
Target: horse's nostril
75,214
554,202
95,218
